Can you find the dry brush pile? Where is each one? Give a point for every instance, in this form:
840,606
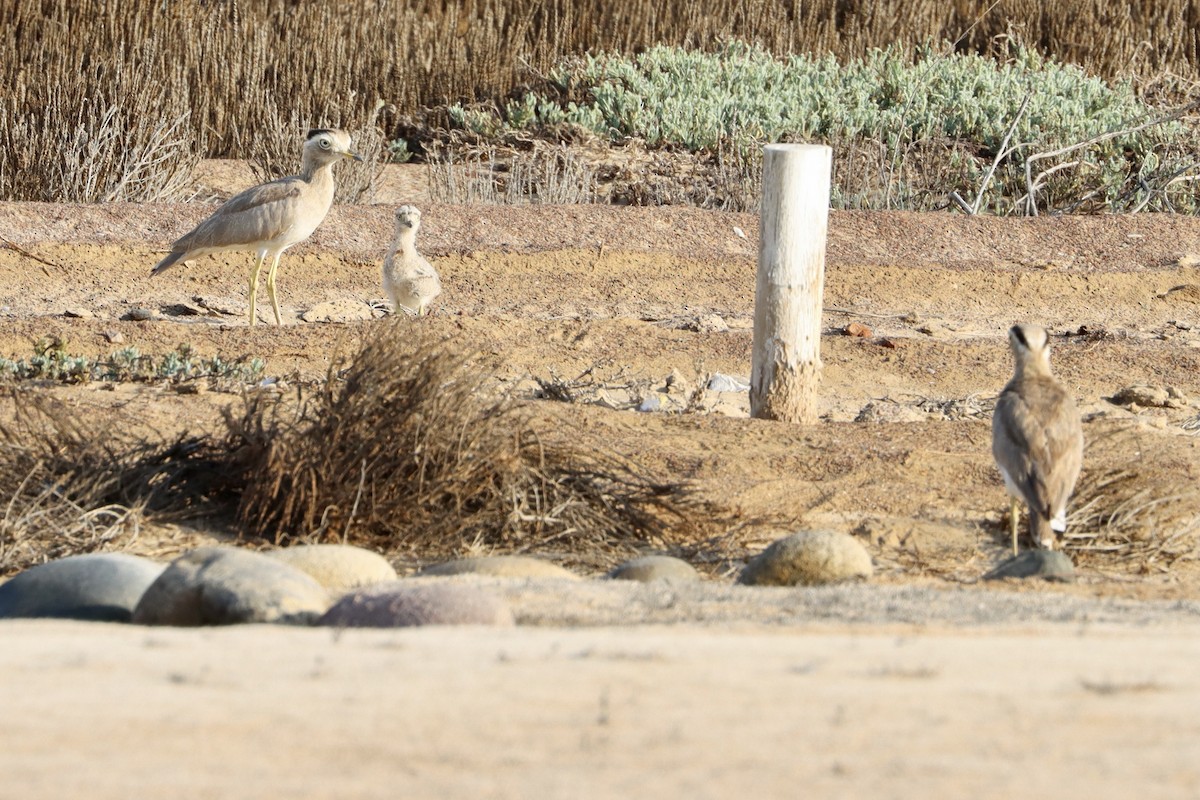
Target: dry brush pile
68,487
405,451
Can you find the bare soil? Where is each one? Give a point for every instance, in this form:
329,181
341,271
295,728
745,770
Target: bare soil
104,711
630,294
901,457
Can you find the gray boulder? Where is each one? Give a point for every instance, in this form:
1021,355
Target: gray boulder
808,558
398,605
339,568
103,587
502,567
225,586
656,568
1053,565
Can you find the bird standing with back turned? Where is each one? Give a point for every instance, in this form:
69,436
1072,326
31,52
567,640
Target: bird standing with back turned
1037,438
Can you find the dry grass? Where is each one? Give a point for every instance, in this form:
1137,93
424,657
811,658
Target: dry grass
102,100
406,450
84,140
68,488
1138,517
239,66
488,174
583,169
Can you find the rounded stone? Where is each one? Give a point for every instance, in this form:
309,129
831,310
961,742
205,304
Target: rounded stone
397,605
808,558
502,567
656,568
103,587
1053,565
339,568
225,586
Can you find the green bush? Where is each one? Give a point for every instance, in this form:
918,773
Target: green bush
938,119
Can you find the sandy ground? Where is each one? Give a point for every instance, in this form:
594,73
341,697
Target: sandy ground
922,683
102,711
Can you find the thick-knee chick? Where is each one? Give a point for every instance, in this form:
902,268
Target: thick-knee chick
411,282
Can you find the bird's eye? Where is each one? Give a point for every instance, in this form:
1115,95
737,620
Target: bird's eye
324,144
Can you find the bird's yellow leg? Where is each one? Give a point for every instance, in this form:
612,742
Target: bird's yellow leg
1014,517
254,286
271,288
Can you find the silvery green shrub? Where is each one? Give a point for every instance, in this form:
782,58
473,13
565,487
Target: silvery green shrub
953,110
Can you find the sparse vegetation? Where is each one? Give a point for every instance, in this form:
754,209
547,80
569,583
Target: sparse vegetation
905,132
404,451
1128,519
130,95
51,361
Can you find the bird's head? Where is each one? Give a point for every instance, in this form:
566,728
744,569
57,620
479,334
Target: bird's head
327,145
408,218
1031,346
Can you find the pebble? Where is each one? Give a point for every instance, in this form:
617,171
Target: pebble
808,558
103,587
1053,565
884,411
655,568
720,382
397,605
339,568
857,329
711,323
225,586
503,567
1148,396
225,306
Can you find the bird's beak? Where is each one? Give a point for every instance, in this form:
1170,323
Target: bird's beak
348,154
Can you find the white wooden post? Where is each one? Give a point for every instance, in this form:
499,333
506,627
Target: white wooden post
786,361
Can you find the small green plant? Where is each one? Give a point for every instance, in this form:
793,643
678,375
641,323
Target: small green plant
52,362
398,152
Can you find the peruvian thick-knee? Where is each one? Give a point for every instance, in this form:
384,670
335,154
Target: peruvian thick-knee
271,217
1037,438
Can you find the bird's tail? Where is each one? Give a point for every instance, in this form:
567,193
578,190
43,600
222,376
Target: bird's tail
172,258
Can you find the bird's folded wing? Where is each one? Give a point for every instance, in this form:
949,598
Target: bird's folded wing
425,269
246,217
1025,457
